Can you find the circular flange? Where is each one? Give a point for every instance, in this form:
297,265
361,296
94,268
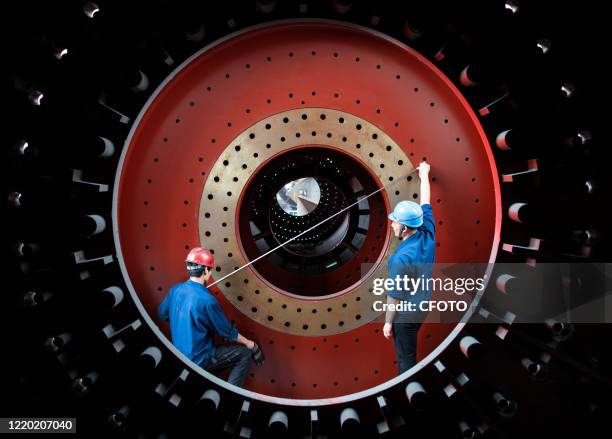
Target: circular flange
219,207
236,83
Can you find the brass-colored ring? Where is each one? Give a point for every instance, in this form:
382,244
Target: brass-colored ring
219,203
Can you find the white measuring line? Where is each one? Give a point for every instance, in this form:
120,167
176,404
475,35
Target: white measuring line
308,230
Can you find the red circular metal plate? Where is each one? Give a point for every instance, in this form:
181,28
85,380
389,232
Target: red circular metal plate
241,80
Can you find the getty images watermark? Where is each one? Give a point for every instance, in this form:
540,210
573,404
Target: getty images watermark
414,293
535,292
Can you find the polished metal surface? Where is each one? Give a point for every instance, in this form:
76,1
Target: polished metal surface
234,168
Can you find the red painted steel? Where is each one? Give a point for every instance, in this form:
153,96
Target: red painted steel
272,69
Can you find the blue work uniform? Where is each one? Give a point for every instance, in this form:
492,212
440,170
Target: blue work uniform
195,316
414,258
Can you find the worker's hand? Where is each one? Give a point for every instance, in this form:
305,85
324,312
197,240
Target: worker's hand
250,344
388,331
258,356
423,170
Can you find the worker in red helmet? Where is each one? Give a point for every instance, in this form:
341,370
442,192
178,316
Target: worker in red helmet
195,317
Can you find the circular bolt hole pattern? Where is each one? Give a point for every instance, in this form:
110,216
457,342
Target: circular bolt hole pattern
289,120
252,136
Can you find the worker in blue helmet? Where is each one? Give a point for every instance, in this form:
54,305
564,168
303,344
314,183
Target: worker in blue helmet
414,225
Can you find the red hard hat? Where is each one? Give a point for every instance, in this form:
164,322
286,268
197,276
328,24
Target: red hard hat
201,256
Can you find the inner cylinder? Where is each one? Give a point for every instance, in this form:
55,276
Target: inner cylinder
309,265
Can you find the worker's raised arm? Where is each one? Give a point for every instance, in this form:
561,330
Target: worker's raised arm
425,188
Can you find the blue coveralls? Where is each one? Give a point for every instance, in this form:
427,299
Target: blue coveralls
195,316
414,257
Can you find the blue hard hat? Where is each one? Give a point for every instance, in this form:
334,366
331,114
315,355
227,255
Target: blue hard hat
408,213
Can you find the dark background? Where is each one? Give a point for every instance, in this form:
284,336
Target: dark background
104,54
